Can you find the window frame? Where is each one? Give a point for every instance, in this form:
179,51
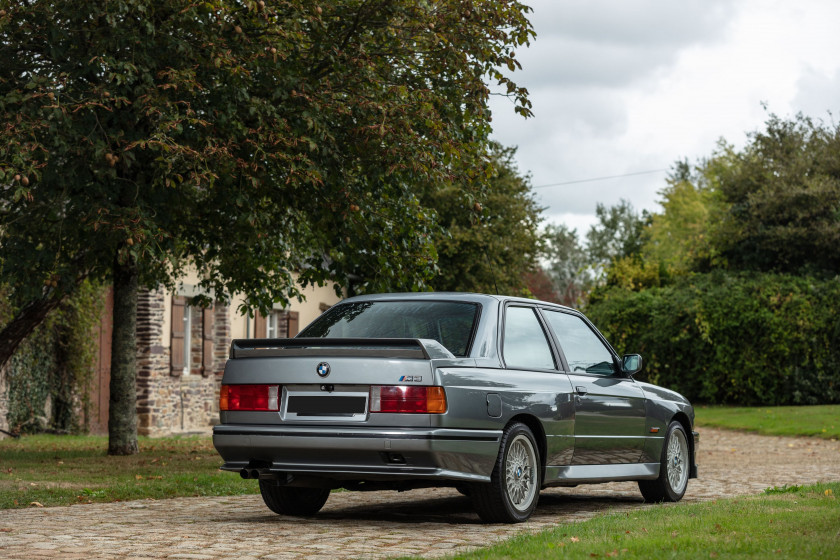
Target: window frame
552,345
595,331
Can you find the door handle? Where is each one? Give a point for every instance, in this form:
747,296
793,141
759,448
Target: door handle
581,390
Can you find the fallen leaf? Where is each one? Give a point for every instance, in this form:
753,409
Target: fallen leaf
574,539
713,555
674,534
612,554
33,484
594,555
36,504
645,530
829,492
719,528
138,476
5,530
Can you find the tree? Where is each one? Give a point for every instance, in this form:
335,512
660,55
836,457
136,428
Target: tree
488,242
772,206
248,140
618,233
568,264
541,286
783,197
679,239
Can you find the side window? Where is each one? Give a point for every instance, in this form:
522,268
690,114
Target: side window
583,349
525,344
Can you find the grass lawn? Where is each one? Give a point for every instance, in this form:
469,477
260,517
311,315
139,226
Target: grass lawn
64,470
791,523
820,421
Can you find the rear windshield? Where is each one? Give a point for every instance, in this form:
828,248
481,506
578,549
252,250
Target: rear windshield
450,323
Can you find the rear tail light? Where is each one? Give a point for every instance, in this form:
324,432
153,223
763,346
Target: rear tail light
249,397
410,399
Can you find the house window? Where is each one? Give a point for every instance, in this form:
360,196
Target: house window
272,322
277,324
192,338
187,339
180,336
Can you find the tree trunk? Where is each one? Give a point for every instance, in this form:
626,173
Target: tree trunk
24,322
122,414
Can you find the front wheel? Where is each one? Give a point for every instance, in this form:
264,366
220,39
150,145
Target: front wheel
673,468
514,488
300,502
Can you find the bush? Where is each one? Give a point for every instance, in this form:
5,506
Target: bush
749,339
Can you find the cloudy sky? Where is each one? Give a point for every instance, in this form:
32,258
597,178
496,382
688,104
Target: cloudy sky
630,86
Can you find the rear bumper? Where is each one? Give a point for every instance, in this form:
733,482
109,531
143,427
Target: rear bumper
351,453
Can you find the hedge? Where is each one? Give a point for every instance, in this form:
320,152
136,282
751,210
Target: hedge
748,339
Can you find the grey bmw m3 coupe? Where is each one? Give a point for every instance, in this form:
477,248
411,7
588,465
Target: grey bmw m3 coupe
496,396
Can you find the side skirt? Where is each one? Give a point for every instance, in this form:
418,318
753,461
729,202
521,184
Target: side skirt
593,474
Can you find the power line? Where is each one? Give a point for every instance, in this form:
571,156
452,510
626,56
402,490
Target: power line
601,178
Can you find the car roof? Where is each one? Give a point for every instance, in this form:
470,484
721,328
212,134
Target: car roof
452,296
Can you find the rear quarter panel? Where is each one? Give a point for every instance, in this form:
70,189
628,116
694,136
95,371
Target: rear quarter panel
541,396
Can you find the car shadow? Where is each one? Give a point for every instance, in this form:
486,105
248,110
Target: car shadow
411,508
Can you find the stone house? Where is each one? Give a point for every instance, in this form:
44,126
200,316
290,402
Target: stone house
181,354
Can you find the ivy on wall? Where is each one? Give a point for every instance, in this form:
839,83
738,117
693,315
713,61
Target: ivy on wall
49,377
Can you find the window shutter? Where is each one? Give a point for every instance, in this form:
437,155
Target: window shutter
259,325
176,340
208,323
293,324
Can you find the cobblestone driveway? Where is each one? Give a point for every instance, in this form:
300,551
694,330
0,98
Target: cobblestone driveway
381,524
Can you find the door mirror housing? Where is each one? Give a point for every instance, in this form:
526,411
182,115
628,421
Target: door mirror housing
631,364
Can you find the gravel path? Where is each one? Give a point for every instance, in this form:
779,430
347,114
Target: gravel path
381,524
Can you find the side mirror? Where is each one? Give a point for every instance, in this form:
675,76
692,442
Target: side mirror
631,364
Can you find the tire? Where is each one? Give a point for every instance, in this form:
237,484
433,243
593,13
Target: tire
674,467
300,502
514,488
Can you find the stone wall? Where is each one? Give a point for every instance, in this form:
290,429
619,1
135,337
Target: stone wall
170,403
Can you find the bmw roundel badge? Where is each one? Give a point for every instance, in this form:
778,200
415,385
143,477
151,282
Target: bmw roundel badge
323,369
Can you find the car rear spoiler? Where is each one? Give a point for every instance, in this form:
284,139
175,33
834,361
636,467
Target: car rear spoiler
405,348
